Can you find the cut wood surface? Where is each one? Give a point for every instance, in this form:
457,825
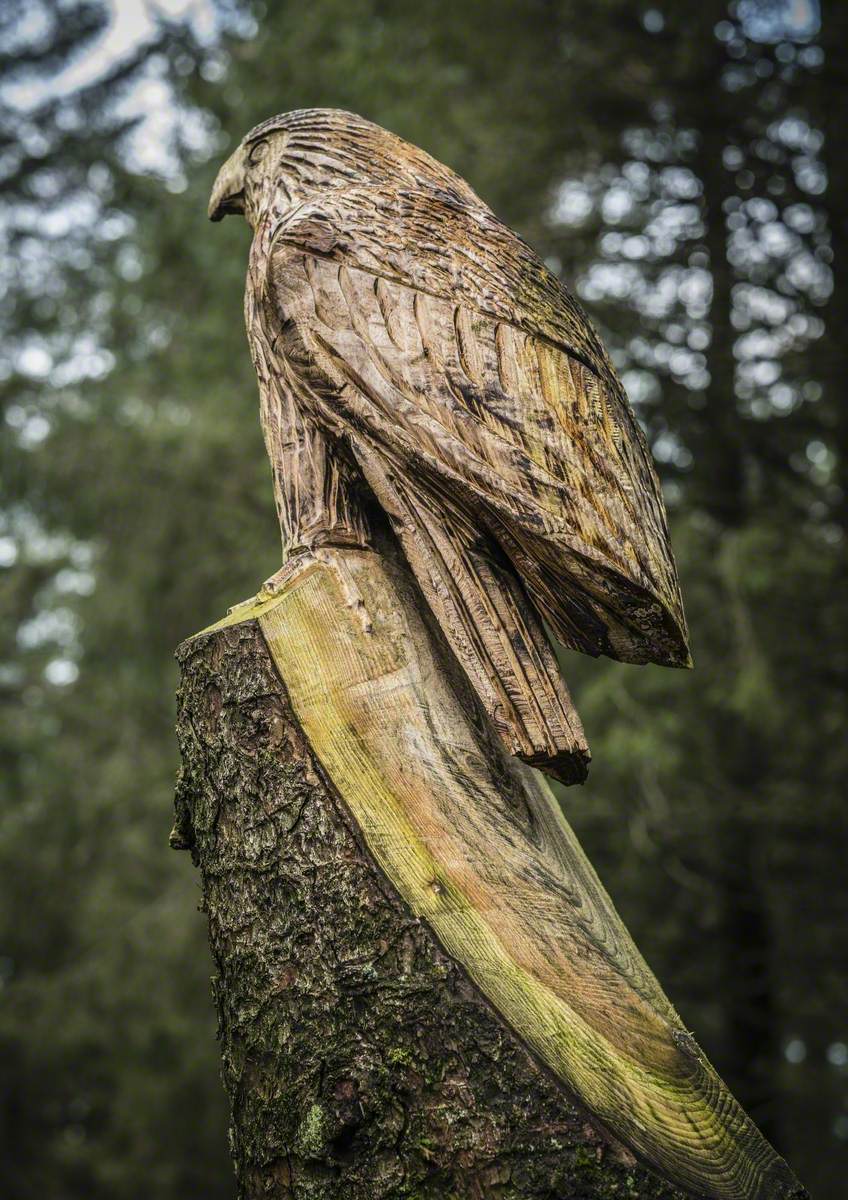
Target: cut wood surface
477,846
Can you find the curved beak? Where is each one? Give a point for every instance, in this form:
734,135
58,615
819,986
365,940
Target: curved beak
228,190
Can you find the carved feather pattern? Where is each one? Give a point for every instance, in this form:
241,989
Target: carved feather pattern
527,435
405,337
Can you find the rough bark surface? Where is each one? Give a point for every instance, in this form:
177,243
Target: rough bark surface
359,1059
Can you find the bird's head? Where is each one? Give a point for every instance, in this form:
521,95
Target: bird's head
303,154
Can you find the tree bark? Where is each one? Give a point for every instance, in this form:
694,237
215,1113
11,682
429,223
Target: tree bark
360,1060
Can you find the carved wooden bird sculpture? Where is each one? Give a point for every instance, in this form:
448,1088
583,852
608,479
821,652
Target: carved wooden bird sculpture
413,351
422,372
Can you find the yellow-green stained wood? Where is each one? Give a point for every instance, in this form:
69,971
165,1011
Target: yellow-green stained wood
477,846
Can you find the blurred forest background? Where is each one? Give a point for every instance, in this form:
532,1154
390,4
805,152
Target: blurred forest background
683,165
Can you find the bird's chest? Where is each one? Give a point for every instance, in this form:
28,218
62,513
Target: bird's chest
286,368
268,362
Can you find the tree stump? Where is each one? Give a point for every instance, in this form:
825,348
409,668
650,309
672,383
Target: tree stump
359,1058
417,962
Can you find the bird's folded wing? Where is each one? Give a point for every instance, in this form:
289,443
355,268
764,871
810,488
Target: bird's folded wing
538,444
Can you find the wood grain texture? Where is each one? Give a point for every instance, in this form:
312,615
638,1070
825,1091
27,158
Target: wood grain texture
477,846
410,348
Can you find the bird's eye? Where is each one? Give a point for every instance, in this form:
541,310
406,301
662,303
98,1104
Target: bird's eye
257,152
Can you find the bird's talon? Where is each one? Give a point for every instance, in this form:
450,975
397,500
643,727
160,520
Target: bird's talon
275,584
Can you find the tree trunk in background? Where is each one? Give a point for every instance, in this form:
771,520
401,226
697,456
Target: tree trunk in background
832,114
719,453
359,1059
719,487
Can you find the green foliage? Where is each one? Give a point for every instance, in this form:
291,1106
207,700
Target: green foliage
699,226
